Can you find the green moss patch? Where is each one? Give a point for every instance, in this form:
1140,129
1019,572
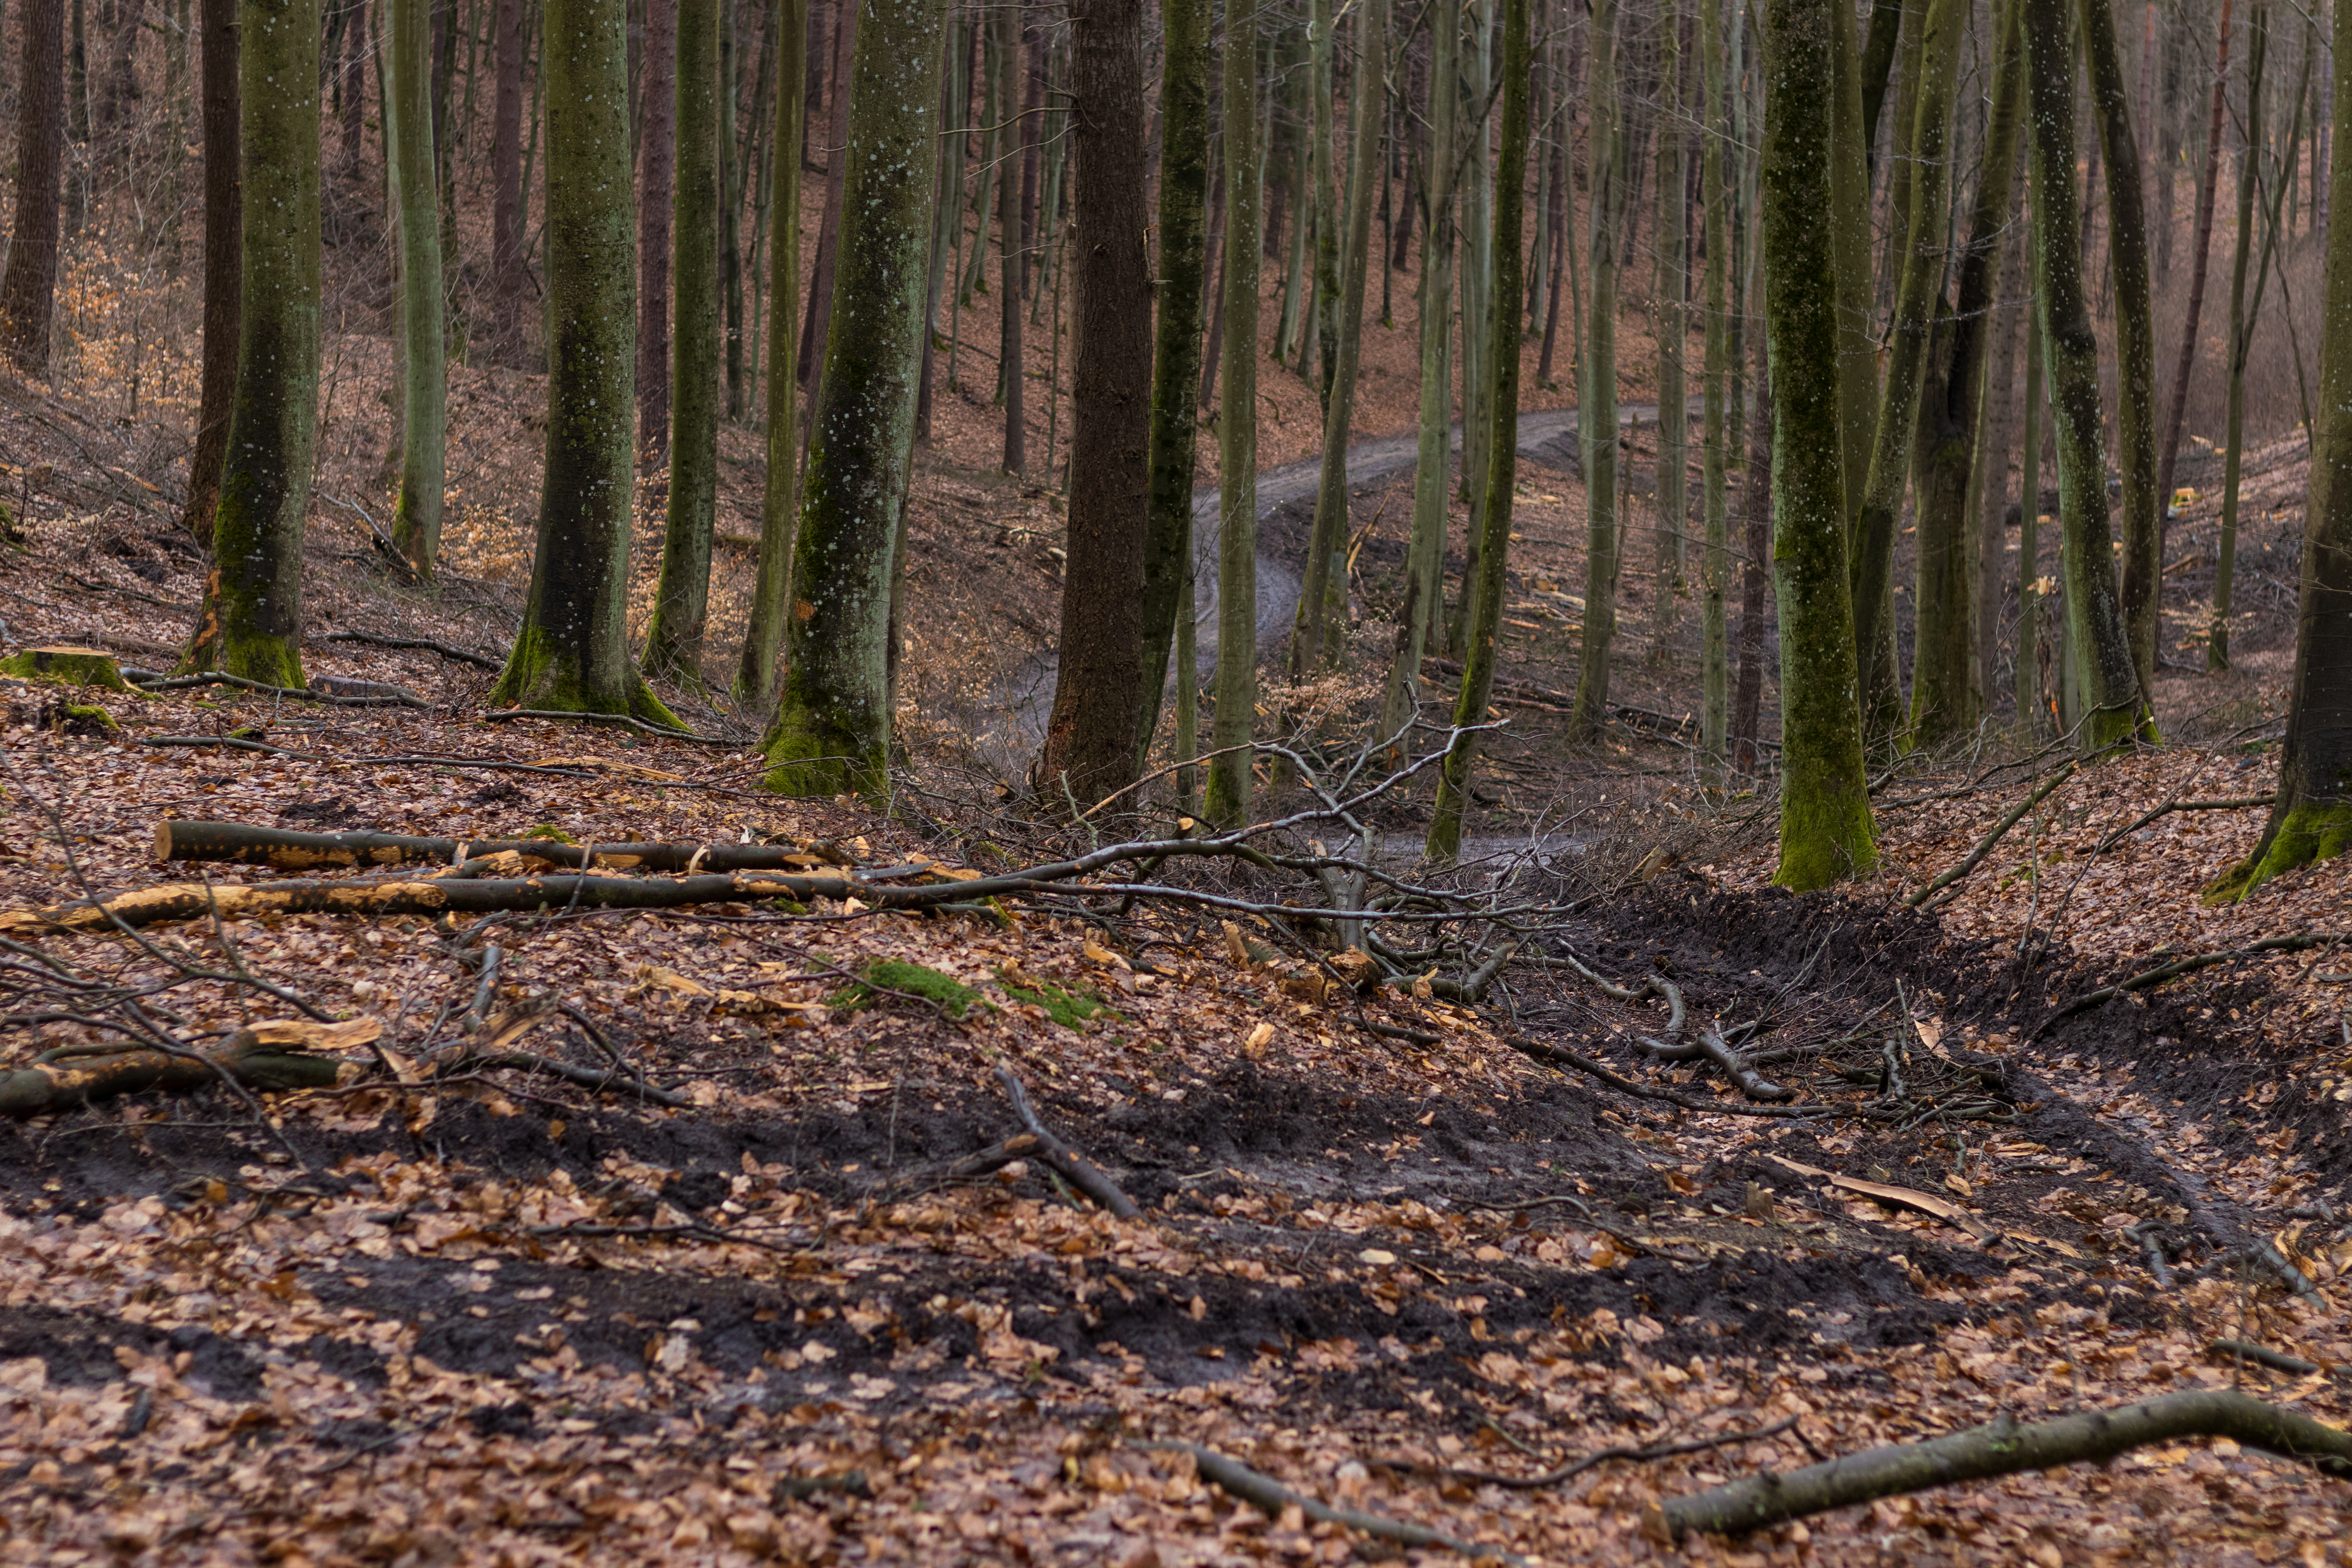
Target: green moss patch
890,977
1068,1007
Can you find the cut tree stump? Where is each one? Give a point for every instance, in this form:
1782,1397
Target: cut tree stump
79,666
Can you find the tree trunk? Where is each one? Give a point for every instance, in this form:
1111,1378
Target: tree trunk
1008,230
1509,194
121,87
224,265
2094,622
1322,87
730,185
2312,819
1176,353
1673,287
656,183
416,511
832,733
2200,248
572,653
682,596
2030,708
1826,832
251,620
1091,744
1323,594
28,286
1997,431
2135,339
1227,802
1947,688
1597,405
506,178
1748,702
816,323
2217,638
354,92
763,637
1850,241
1425,556
1715,561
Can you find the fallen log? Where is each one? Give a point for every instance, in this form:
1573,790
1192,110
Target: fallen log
251,844
46,1088
1270,1497
2001,1448
1064,1159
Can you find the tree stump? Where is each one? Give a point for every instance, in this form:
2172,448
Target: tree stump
80,665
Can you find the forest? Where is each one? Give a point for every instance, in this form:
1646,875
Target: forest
1158,783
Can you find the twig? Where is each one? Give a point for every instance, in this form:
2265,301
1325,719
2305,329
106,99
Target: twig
1752,1084
2242,802
2177,967
1578,1467
1063,1158
615,1081
627,721
391,697
1984,845
427,644
1560,1057
1270,1497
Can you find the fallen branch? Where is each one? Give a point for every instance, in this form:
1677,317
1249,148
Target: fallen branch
2003,1448
599,1078
237,743
627,721
2242,802
250,844
1578,1467
47,1087
1751,1083
2261,1355
1984,845
384,697
1270,1497
427,644
1064,1160
2180,966
1561,1057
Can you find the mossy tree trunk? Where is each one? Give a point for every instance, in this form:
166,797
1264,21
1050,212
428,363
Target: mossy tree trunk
832,733
1673,287
507,267
1433,457
656,183
572,651
2312,819
1090,747
1850,188
2199,254
251,621
1227,798
763,638
223,266
1946,690
2113,711
1715,560
2217,634
1923,173
1176,353
1597,405
1323,594
1502,326
1322,87
1826,831
415,193
28,286
2135,337
682,596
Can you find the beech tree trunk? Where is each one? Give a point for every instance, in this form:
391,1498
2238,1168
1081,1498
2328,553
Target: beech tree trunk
1714,677
1227,798
28,286
757,675
2200,249
507,264
224,264
2217,634
656,185
1597,405
832,733
1008,302
408,133
1090,745
1672,290
251,620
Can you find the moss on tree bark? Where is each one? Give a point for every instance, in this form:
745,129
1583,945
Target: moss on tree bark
423,419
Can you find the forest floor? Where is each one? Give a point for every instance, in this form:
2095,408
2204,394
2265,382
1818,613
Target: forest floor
492,1316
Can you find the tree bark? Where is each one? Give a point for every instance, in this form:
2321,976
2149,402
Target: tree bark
1672,288
1714,671
506,176
1597,405
1322,87
28,286
224,265
833,730
572,654
1494,512
2241,325
1091,744
1227,800
2200,248
1748,703
1010,379
2312,819
682,595
763,637
818,317
656,185
417,510
2095,621
251,620
1826,831
1176,354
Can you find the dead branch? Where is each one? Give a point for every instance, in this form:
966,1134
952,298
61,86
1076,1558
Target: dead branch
375,640
1561,1057
2242,802
2180,966
565,716
1270,1497
46,1088
250,844
1752,1084
601,1080
239,744
1066,1160
2263,1355
2003,1448
1578,1467
380,695
1984,845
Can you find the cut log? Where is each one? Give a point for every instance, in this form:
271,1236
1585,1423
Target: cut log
49,1087
80,665
2003,1448
250,844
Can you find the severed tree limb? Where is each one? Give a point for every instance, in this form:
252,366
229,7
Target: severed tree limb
358,693
49,1087
1064,1160
1270,1497
2180,966
375,640
239,744
627,721
601,1079
1984,845
1561,1057
1736,1068
2242,802
2003,1448
2263,1355
251,844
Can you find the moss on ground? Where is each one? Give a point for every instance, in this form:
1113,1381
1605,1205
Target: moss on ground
892,977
